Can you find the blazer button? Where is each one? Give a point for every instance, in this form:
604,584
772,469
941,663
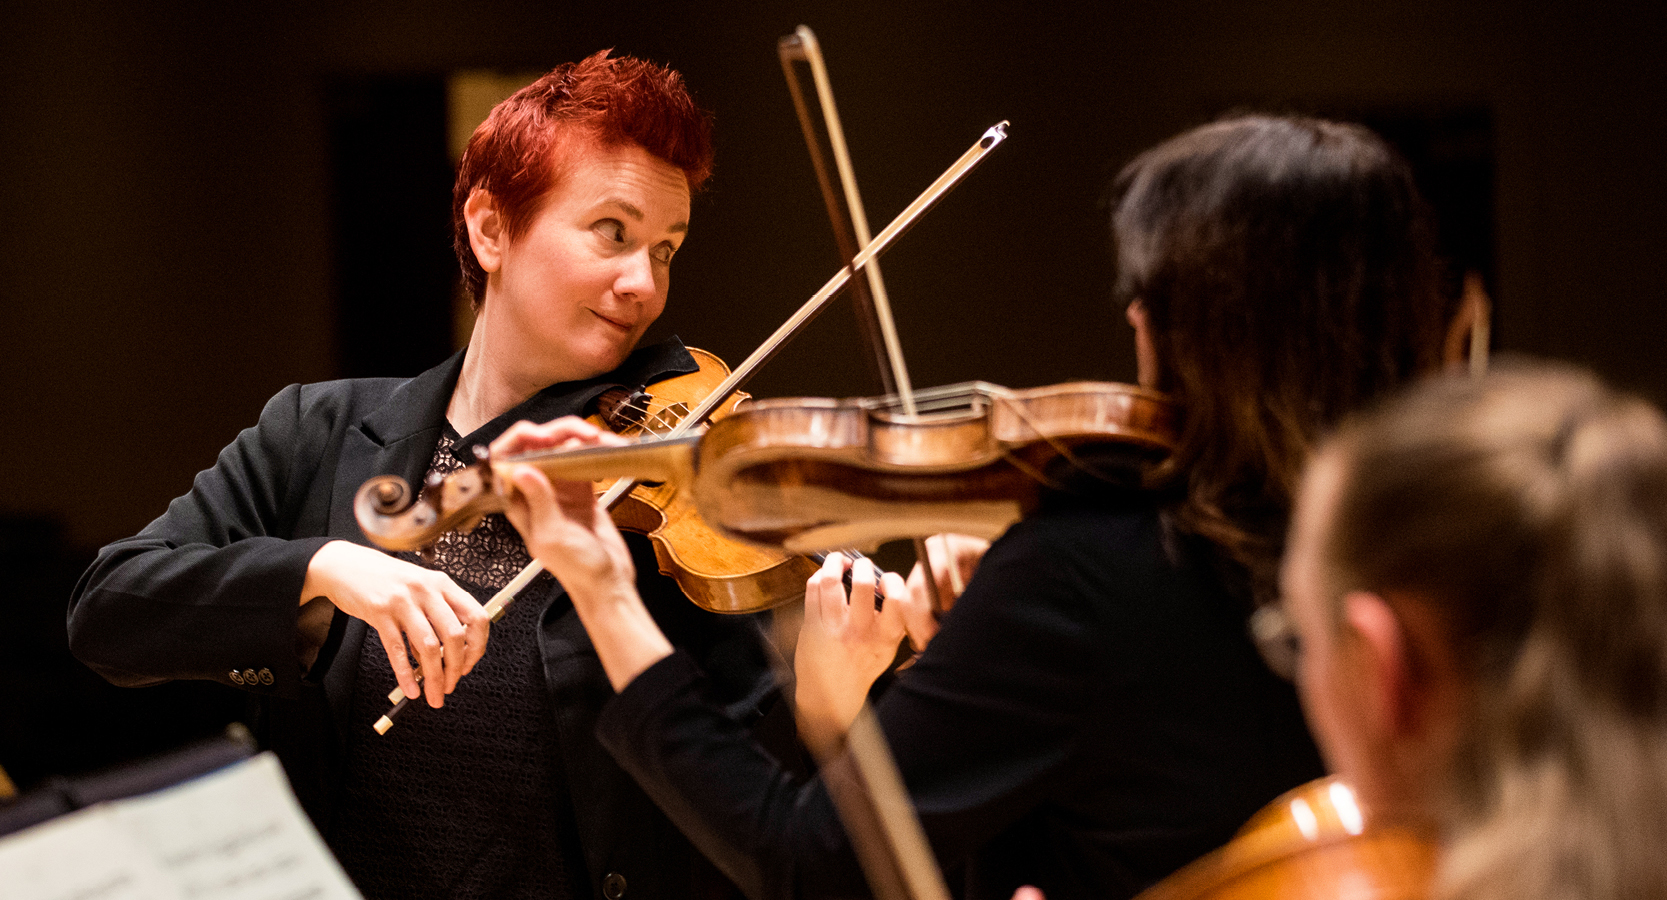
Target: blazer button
265,676
236,677
249,677
613,887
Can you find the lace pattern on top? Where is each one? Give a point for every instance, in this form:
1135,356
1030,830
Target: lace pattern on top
469,801
490,555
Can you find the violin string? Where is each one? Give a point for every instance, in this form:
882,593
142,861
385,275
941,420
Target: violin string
937,400
650,414
651,418
663,421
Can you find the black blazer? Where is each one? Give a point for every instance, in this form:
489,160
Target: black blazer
209,591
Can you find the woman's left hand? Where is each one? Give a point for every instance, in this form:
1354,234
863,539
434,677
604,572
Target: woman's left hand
846,642
571,534
564,527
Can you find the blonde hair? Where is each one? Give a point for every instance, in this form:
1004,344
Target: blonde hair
1530,508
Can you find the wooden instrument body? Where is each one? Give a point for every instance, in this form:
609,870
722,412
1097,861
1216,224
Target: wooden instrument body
1312,843
812,475
717,572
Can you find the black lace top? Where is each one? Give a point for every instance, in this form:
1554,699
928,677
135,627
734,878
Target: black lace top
467,800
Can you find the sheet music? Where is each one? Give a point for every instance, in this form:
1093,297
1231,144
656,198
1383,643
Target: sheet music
236,834
80,856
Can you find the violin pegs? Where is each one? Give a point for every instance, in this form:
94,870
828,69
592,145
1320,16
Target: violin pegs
390,496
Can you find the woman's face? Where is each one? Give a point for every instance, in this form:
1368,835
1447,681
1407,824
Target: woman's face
576,291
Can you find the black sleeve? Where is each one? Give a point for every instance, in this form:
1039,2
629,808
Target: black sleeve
992,715
212,587
978,727
769,830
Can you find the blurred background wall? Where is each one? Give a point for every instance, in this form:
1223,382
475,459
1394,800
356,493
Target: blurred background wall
201,203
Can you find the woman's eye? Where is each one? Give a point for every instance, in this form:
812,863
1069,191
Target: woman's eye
664,253
611,229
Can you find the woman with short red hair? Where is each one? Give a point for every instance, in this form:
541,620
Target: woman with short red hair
570,202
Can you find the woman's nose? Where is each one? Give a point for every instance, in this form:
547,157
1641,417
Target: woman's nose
636,276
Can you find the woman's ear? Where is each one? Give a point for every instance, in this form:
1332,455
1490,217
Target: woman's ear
1468,334
1382,665
486,231
1145,351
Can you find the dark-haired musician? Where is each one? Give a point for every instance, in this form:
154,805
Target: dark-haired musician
1092,714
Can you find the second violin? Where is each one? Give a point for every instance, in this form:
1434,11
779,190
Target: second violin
810,475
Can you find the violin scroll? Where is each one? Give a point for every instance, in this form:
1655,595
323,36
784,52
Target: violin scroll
395,520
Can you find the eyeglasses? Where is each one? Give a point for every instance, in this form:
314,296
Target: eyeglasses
1276,639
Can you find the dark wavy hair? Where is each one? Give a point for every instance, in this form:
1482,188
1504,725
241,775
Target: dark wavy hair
1288,273
526,146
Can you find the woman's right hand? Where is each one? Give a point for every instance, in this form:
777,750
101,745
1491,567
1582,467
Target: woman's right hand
410,607
954,559
846,642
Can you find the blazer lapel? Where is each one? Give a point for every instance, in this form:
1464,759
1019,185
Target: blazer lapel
396,438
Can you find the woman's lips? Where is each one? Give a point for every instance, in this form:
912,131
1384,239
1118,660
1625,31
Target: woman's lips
622,326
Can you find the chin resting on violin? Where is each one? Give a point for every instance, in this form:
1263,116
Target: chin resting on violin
570,202
1092,714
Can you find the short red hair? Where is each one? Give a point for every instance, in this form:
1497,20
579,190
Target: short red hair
525,147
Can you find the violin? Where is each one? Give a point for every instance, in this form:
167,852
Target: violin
813,474
1312,843
816,475
388,495
717,573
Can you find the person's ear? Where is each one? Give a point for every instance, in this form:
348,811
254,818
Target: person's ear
1145,351
486,229
1466,345
1382,664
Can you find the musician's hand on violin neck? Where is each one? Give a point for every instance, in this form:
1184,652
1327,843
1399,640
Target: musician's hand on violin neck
410,607
567,529
560,520
846,642
954,558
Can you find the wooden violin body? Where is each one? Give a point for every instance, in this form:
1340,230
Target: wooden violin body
717,573
1312,843
811,475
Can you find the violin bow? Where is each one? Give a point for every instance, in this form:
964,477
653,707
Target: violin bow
794,324
864,783
850,226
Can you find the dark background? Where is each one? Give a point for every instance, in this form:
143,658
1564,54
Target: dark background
201,203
